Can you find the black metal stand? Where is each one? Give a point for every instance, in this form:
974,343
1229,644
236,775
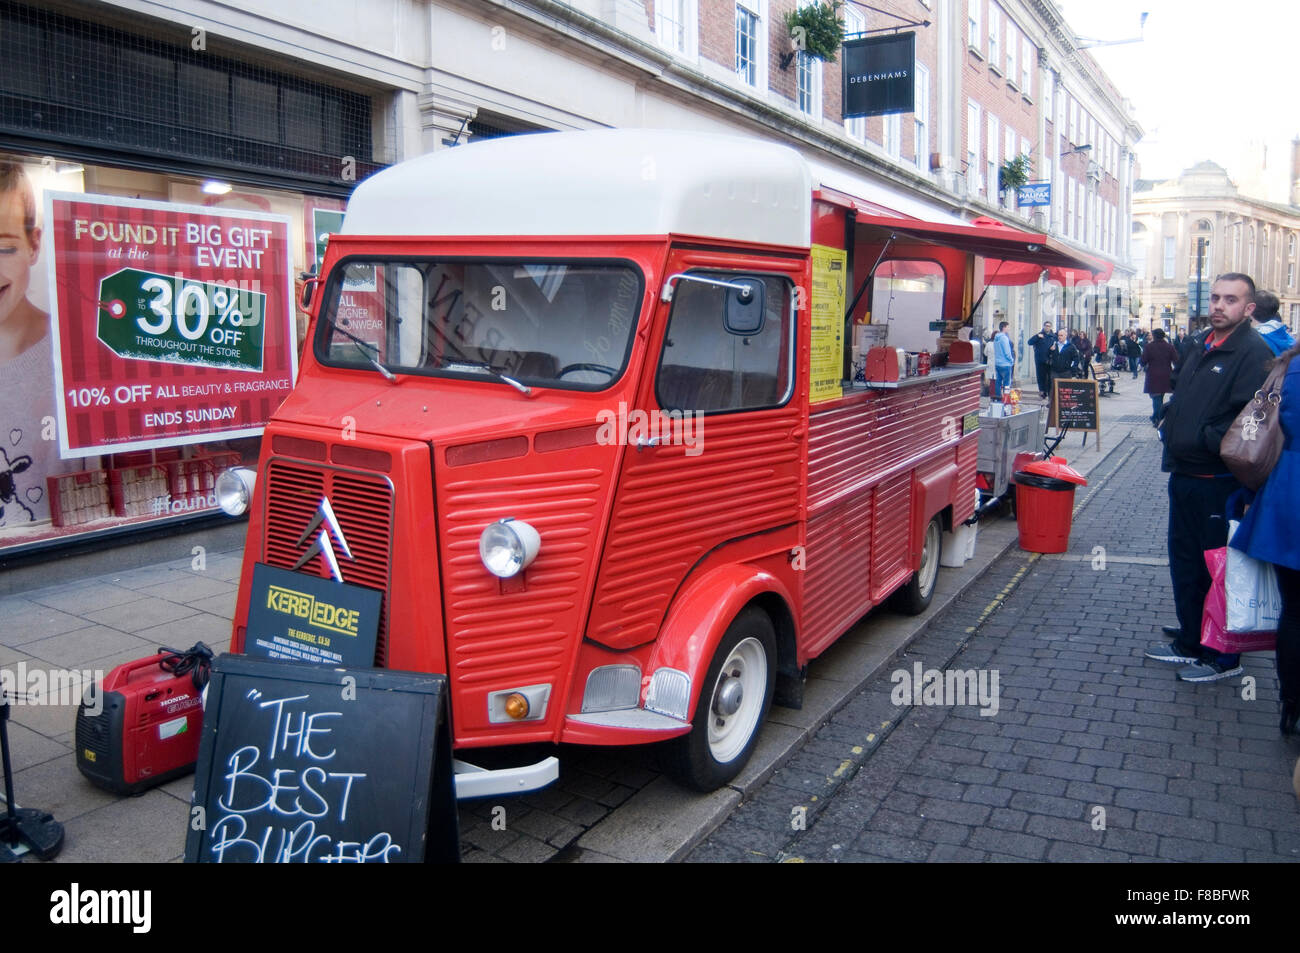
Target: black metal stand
23,829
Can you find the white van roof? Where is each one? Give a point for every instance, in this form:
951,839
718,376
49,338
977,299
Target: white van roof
601,182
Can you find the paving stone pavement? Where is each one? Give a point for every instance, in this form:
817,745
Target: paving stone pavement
1095,753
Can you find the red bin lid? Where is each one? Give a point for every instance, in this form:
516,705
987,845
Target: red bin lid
1059,471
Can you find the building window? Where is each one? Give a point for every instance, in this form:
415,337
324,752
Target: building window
1170,252
1026,67
921,118
1290,275
974,32
972,146
1290,246
995,33
675,25
855,22
894,135
1012,47
809,74
991,161
747,44
1074,121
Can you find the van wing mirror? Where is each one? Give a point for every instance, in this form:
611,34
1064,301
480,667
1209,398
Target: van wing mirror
744,310
309,282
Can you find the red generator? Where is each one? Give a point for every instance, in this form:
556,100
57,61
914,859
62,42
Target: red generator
141,728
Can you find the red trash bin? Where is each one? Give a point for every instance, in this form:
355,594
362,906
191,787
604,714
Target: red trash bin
1045,505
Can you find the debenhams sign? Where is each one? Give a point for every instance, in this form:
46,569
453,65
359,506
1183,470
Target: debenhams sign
879,75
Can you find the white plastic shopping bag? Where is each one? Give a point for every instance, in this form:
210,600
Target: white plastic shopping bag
1254,602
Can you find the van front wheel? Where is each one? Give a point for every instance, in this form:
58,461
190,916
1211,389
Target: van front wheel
734,700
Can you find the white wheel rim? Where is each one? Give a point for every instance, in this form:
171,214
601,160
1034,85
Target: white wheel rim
728,734
929,570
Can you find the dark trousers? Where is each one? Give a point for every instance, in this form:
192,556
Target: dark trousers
1044,377
1157,401
1288,636
1196,523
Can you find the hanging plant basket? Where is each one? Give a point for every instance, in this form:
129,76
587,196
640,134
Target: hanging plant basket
817,29
1014,173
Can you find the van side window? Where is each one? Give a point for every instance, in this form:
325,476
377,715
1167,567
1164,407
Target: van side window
706,367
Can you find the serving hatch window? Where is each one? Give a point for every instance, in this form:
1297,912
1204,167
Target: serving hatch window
906,296
559,324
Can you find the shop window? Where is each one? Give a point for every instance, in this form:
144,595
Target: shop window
706,366
83,84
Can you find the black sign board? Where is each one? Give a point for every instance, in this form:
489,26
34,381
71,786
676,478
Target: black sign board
301,618
301,763
1074,405
879,75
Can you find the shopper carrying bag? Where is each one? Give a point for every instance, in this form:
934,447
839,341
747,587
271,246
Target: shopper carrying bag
1253,443
1270,532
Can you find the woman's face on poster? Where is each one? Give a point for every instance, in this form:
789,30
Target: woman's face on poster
18,253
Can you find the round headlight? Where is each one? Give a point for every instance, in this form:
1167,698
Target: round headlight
508,546
235,490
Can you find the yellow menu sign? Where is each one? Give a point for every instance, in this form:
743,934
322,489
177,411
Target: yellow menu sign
827,340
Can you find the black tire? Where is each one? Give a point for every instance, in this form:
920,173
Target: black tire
917,593
698,761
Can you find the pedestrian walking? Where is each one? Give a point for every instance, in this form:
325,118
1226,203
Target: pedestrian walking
1210,389
1158,357
1133,352
1270,531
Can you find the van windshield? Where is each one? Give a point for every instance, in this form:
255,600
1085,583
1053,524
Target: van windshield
544,323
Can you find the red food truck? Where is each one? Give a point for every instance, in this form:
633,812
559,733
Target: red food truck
580,408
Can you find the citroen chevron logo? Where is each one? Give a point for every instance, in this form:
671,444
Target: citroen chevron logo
324,515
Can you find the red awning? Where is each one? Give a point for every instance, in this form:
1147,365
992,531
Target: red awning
1010,255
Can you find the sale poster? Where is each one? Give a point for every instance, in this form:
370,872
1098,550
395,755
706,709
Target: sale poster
171,323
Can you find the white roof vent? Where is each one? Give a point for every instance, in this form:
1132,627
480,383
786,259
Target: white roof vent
602,182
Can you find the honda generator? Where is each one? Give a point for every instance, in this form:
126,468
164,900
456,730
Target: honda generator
142,726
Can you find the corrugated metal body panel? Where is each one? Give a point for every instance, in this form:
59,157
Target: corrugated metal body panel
890,544
858,545
964,504
514,632
836,591
673,508
517,636
851,445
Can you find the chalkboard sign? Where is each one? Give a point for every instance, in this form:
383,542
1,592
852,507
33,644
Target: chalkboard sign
304,763
1074,405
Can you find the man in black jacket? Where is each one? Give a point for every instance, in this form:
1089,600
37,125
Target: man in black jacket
1042,344
1216,379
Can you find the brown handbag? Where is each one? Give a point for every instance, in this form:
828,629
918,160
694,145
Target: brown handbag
1253,443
